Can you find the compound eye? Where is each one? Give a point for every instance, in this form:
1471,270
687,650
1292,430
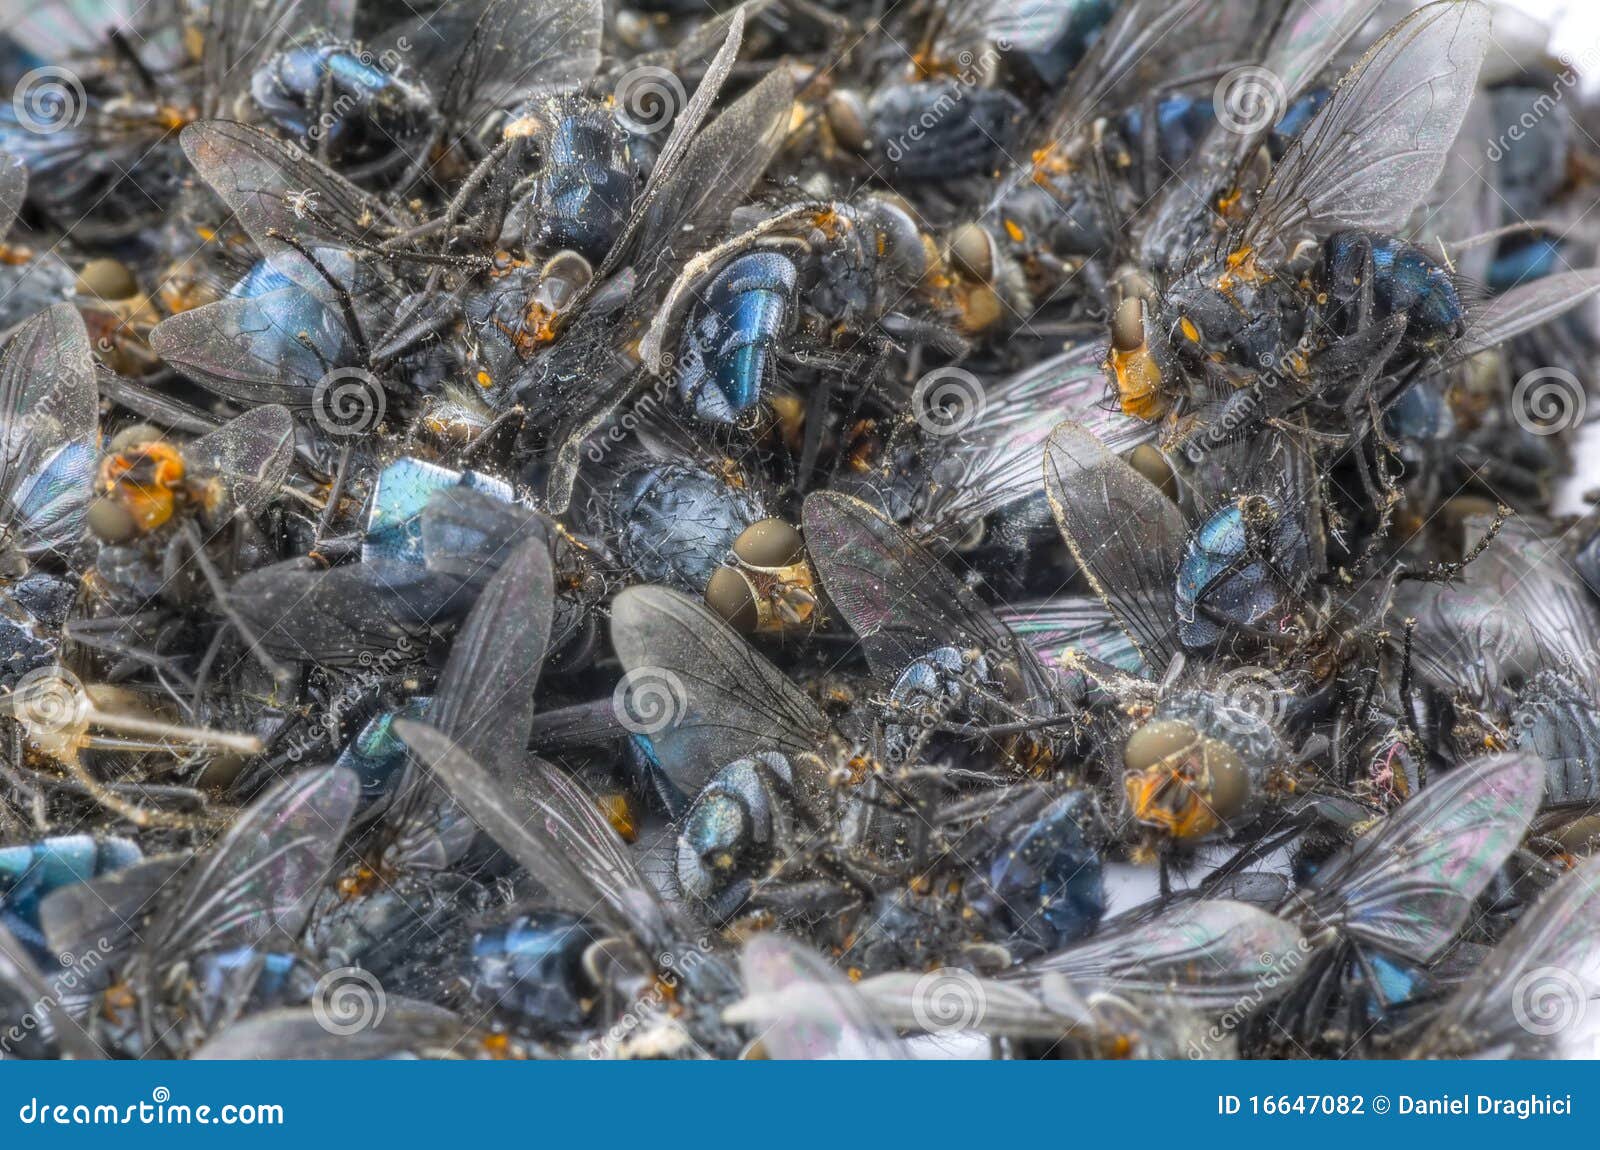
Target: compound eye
847,117
972,250
134,435
111,522
730,595
1127,325
769,543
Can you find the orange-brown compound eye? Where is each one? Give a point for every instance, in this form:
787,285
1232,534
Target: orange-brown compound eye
730,595
1181,781
1137,374
145,482
769,543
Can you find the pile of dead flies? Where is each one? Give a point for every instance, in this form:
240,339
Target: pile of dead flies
543,529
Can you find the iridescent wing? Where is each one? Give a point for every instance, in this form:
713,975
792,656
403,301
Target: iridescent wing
1528,1000
1376,148
255,887
272,348
1125,534
251,455
308,221
997,460
900,600
479,56
1306,39
803,1008
547,823
1079,623
698,691
1408,885
1207,954
49,411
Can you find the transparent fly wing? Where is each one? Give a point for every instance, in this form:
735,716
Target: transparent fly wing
1078,623
406,1030
49,411
715,175
685,127
347,614
13,190
108,911
313,225
251,455
804,1009
1125,534
272,348
1307,38
1147,44
1465,201
1376,148
1408,885
549,825
255,887
1529,998
1518,609
484,698
24,990
1206,954
481,56
699,692
997,460
239,34
1524,308
901,602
